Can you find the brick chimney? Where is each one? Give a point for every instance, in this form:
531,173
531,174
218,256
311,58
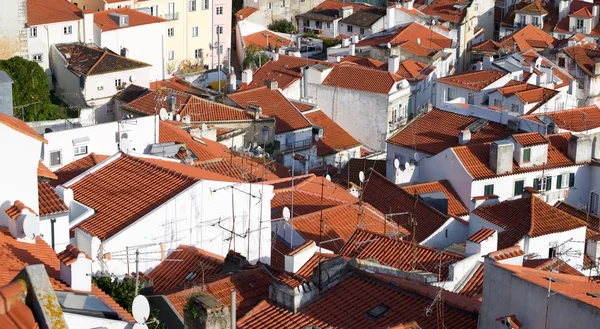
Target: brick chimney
205,312
76,268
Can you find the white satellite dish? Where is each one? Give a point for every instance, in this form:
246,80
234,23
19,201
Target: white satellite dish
327,177
396,163
31,226
163,115
361,176
140,326
125,145
178,117
286,213
132,78
417,157
317,138
140,309
418,40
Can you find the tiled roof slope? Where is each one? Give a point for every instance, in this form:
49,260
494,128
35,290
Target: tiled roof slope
554,264
351,171
481,235
51,11
455,205
365,18
103,20
245,13
44,172
335,138
526,216
361,78
576,120
412,70
241,167
406,300
205,150
16,255
273,104
397,253
364,61
387,197
70,255
592,220
473,80
506,253
49,201
16,209
438,130
88,60
475,158
278,251
261,40
185,265
473,288
77,167
584,57
528,37
446,10
16,314
329,10
530,139
20,126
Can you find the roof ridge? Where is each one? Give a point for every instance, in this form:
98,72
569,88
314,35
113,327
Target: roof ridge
97,62
157,166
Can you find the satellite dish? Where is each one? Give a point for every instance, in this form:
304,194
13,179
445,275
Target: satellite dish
140,309
361,176
417,157
204,128
125,145
396,163
163,115
178,117
317,138
418,40
139,326
132,78
31,226
327,177
286,213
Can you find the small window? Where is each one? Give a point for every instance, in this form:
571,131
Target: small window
571,179
526,155
171,55
55,158
85,7
519,185
194,31
559,181
548,183
446,232
100,86
515,107
594,201
270,5
362,30
171,32
205,4
328,25
118,83
537,184
579,23
306,23
319,25
349,28
192,5
488,189
219,29
33,32
221,49
80,150
450,94
498,102
124,52
154,10
219,10
198,53
68,30
37,58
552,252
561,61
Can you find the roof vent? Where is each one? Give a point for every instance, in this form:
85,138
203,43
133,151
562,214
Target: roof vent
378,311
593,294
477,125
190,276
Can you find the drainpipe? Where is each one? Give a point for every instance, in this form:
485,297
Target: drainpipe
233,309
52,221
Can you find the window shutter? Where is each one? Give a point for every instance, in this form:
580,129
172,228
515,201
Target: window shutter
519,187
537,184
571,179
548,183
559,181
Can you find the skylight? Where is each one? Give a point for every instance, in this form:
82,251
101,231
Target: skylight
378,311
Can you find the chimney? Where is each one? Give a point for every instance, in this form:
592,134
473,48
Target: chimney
484,200
205,312
393,63
408,4
88,27
482,242
597,68
299,256
488,60
464,137
390,17
330,58
76,268
592,248
345,42
171,99
65,194
352,49
346,11
355,38
247,76
501,157
231,86
530,192
275,57
234,262
23,223
271,84
6,99
437,200
478,66
580,148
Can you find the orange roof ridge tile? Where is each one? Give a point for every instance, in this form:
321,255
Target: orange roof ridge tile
49,201
70,255
45,172
506,253
21,127
481,235
16,209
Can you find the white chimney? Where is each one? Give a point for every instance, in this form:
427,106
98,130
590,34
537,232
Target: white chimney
333,58
275,57
247,76
579,149
352,51
464,137
487,61
408,4
231,85
299,256
65,194
501,157
23,223
393,63
88,28
346,11
76,268
478,66
345,42
484,200
390,17
355,38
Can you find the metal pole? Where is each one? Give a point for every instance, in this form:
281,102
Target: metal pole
233,309
219,56
137,271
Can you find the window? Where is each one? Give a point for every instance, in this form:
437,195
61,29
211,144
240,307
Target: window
579,23
536,21
319,24
171,31
55,158
67,29
205,4
559,181
526,155
488,189
37,58
571,179
198,53
498,102
192,5
80,150
519,185
85,7
552,252
270,5
446,232
594,200
362,30
450,94
349,28
124,52
306,23
548,183
194,31
219,10
221,49
33,32
171,55
118,83
328,25
514,108
523,20
561,62
219,29
537,184
100,86
154,10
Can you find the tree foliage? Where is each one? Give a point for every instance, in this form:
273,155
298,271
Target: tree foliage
282,26
254,57
30,86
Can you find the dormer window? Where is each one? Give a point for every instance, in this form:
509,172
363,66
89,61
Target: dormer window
579,24
124,21
526,155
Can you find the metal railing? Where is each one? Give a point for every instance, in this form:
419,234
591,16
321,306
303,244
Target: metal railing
551,197
296,145
170,16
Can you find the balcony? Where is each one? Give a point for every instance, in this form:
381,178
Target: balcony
552,197
396,124
578,30
297,145
170,16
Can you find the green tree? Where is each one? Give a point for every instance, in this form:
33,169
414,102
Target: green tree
254,56
282,26
31,90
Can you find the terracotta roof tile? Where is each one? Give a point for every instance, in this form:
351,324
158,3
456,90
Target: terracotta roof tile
185,265
445,10
329,10
15,313
335,138
530,139
526,216
592,220
364,61
89,60
176,84
360,78
481,235
473,80
244,13
407,37
554,264
583,12
455,205
261,40
351,171
584,57
16,209
278,251
16,255
506,253
388,197
473,288
44,172
242,167
475,158
273,104
438,130
412,70
576,120
203,149
51,11
49,201
77,167
105,22
20,126
528,37
365,18
534,8
70,255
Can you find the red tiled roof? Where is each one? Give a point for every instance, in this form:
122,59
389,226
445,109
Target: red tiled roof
438,130
203,149
185,265
584,57
360,78
473,80
364,61
554,265
49,201
51,11
413,70
482,235
16,209
397,253
446,10
387,197
16,255
351,171
261,40
15,313
242,168
593,221
174,83
20,126
245,13
70,255
136,18
534,8
489,45
576,120
475,158
44,172
303,107
335,138
530,139
528,37
273,104
89,60
329,10
408,37
77,167
526,216
278,251
455,205
583,12
473,288
506,253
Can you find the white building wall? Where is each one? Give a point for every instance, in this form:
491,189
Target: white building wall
404,155
453,231
541,245
61,230
74,320
479,97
